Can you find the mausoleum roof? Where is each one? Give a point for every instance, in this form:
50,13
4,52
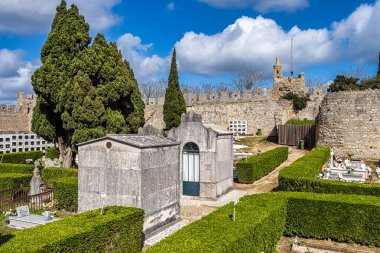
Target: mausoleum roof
217,129
137,140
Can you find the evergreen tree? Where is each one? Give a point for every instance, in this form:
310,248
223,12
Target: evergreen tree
84,92
174,105
378,71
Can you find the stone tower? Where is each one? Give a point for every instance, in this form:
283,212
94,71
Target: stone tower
283,85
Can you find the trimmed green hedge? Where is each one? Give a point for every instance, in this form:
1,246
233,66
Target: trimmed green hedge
301,176
20,157
255,167
260,221
16,168
119,229
10,180
66,193
52,152
262,218
50,174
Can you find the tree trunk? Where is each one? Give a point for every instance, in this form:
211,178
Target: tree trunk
66,154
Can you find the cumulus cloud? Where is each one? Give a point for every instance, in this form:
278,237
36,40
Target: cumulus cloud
16,78
251,43
260,5
255,42
145,67
27,17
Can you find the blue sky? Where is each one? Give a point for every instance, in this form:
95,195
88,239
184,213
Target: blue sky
214,38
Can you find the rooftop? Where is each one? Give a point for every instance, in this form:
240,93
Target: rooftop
137,140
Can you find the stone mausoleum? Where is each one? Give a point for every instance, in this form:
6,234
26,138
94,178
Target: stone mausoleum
206,157
131,170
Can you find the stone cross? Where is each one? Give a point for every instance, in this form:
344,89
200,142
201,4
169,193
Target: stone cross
36,182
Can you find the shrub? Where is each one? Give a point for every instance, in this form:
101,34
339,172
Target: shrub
119,229
296,122
299,102
260,222
255,167
301,176
10,180
50,174
263,218
16,168
20,157
52,152
65,192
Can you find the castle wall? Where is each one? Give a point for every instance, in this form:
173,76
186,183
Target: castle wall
258,107
350,122
17,118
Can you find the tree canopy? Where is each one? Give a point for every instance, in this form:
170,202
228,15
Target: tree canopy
83,91
174,105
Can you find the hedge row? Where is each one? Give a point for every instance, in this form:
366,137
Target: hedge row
16,168
119,229
301,176
10,180
50,174
66,193
20,157
255,167
261,219
52,153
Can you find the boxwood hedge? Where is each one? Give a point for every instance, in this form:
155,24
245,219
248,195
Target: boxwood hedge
50,174
255,167
66,193
10,180
119,229
16,168
20,157
52,152
262,219
301,176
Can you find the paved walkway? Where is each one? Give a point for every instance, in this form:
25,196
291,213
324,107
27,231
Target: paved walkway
193,209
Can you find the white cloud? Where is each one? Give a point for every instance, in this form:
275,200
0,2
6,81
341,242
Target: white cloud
145,67
170,6
9,86
251,43
260,5
27,17
255,42
9,62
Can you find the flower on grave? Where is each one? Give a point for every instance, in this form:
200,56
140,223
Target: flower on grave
47,206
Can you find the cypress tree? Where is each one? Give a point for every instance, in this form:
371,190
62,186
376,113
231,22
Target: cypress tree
174,105
84,92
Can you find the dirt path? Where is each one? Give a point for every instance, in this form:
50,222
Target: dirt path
270,181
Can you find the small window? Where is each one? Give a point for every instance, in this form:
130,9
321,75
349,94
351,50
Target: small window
32,149
20,150
1,139
1,146
7,139
14,150
32,137
26,149
38,148
14,144
13,137
38,143
1,152
20,143
43,148
43,142
7,146
26,143
26,137
32,143
20,137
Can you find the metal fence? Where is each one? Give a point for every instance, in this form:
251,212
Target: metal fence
291,135
19,196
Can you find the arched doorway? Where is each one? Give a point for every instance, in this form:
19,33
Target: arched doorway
190,169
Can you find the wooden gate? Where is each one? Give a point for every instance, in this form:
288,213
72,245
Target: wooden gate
291,135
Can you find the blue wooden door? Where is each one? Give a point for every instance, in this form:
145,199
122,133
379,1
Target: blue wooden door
190,169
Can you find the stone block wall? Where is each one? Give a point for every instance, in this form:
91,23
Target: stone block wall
350,122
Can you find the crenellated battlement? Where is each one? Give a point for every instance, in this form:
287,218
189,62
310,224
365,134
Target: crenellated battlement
230,97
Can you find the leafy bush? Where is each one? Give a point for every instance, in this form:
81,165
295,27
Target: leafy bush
344,218
10,180
50,174
344,83
255,167
262,218
299,102
301,176
260,221
20,157
65,192
296,122
16,168
119,229
52,152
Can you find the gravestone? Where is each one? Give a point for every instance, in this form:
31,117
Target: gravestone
36,182
22,211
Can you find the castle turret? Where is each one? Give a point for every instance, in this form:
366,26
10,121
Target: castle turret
21,101
277,68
